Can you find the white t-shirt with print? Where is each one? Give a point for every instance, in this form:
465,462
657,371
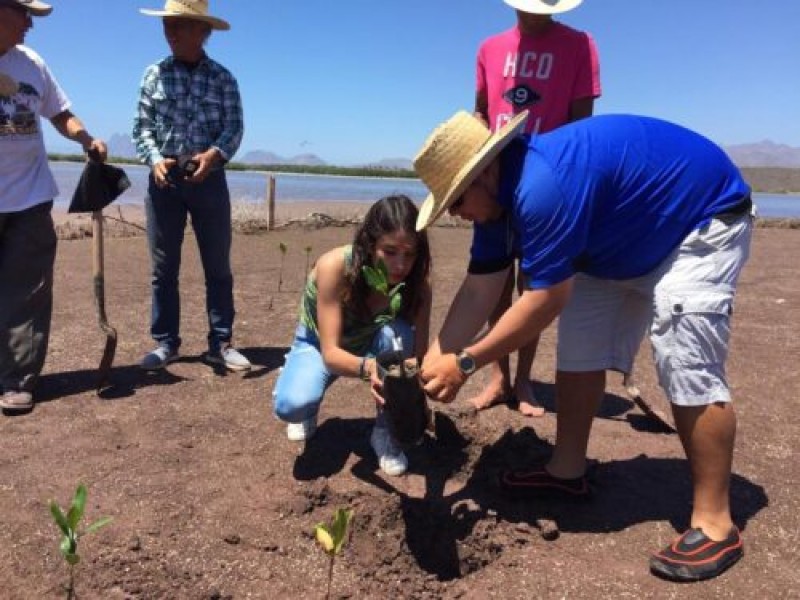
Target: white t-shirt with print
25,177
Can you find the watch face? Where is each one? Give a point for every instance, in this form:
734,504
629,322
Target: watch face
466,363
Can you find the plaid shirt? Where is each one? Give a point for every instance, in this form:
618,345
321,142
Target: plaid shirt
184,111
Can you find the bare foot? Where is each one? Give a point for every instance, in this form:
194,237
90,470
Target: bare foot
528,405
491,395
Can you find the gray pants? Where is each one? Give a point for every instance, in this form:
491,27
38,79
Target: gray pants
27,254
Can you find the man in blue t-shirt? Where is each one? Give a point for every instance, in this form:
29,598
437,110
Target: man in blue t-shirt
624,224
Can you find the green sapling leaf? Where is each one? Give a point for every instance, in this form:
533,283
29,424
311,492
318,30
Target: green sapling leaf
59,517
76,510
395,304
98,524
339,528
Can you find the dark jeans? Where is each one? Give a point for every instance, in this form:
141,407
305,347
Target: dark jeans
27,254
209,205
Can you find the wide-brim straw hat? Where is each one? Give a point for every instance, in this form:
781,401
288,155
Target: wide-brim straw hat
36,8
543,7
188,9
454,155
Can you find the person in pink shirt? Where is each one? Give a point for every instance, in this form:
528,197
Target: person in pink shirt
552,71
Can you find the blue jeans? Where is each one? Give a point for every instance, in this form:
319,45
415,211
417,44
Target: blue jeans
209,205
304,378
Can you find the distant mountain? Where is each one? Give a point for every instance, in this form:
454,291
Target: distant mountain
263,157
308,160
121,146
764,154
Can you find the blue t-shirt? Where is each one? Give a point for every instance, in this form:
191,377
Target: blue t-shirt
610,196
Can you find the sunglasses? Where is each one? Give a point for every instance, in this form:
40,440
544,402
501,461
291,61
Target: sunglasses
458,203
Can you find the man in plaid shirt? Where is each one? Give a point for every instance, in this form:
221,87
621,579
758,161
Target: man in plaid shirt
188,124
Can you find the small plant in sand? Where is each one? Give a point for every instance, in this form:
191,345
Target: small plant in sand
308,260
68,524
283,248
332,538
378,279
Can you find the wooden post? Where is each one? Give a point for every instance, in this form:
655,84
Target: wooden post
270,202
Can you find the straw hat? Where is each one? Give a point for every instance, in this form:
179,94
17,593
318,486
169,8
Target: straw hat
543,7
454,155
36,8
188,9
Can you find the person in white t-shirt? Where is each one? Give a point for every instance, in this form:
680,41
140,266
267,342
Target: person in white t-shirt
28,91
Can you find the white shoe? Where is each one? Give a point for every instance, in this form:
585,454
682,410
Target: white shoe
230,358
302,431
391,458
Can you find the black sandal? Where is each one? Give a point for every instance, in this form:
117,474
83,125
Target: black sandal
694,556
538,482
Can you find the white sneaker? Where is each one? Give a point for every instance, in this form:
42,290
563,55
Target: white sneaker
230,358
391,458
304,430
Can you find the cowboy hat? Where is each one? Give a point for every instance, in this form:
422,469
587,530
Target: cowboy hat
543,7
454,155
188,9
34,7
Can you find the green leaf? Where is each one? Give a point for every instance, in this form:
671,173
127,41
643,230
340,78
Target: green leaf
78,505
375,279
396,289
72,559
395,304
59,518
98,524
341,520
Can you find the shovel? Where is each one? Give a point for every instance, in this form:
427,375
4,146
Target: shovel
98,277
100,184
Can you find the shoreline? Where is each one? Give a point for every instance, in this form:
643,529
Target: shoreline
126,220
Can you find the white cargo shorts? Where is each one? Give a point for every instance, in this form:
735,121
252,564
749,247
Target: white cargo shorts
686,301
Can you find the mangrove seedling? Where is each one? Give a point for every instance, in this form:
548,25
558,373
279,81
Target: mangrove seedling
282,247
68,524
332,538
308,261
378,279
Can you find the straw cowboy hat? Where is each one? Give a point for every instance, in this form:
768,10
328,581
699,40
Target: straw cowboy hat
454,155
36,8
543,7
188,9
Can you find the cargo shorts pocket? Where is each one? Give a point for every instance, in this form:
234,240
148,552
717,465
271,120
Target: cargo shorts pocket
699,330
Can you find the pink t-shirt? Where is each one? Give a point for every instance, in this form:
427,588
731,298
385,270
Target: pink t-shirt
542,74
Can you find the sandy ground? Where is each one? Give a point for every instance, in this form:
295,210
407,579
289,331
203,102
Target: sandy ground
210,500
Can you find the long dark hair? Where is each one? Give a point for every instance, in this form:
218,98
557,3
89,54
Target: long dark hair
387,215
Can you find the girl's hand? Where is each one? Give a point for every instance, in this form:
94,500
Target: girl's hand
375,383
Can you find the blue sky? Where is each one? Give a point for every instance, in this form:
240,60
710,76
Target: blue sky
360,80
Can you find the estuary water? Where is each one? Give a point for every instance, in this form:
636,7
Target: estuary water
251,186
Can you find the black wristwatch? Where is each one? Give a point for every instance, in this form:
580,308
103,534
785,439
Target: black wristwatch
466,363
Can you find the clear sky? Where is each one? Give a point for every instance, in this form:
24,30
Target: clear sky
360,80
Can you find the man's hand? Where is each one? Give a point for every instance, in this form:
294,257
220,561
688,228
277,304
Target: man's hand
97,148
161,170
205,162
442,377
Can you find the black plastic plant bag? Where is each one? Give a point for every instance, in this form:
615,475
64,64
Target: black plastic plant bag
100,184
406,409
